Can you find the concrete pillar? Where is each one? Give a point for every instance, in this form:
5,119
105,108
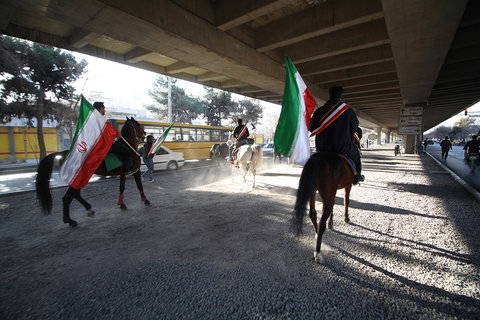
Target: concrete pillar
387,137
409,144
379,135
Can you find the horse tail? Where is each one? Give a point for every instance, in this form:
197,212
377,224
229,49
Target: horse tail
257,155
42,182
304,192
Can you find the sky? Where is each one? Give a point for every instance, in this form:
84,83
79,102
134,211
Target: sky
126,88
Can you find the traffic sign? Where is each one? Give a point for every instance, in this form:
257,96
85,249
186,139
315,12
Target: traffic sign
411,111
410,121
410,130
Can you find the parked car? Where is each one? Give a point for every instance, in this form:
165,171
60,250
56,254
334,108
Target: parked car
268,148
165,159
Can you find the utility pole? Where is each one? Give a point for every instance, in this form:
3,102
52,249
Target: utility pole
169,103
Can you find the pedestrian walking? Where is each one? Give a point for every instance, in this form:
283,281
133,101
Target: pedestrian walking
446,146
148,159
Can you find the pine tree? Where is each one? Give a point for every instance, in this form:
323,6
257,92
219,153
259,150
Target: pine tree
35,82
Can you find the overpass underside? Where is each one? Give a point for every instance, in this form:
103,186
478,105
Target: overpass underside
386,54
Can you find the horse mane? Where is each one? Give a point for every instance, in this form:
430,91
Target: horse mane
126,126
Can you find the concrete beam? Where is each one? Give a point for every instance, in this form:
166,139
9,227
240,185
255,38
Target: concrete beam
80,38
232,83
368,80
209,76
368,35
373,88
420,40
138,54
250,89
388,99
348,60
230,14
6,14
463,54
373,94
179,67
323,19
266,94
354,73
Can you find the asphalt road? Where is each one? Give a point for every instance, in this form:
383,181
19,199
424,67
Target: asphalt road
456,163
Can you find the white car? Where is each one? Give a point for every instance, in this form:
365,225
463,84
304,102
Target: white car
165,159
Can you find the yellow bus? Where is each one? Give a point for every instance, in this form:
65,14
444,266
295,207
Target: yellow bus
194,141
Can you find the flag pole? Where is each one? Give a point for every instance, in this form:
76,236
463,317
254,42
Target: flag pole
128,144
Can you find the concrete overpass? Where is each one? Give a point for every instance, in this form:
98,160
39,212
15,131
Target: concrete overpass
387,54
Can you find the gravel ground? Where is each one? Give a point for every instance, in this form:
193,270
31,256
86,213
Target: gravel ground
208,248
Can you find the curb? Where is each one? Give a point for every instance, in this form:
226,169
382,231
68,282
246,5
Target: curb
474,192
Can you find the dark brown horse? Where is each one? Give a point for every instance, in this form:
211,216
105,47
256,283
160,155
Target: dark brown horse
132,132
219,151
325,173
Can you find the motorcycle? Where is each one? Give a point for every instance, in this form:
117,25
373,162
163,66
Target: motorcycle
473,160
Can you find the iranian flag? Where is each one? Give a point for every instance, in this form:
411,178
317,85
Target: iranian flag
159,142
92,140
291,135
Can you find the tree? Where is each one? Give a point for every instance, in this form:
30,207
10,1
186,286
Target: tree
35,82
185,108
247,110
463,128
218,106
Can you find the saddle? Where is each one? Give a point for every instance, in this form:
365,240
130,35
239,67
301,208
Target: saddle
350,163
112,161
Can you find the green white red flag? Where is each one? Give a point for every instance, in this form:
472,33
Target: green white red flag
93,138
159,142
291,135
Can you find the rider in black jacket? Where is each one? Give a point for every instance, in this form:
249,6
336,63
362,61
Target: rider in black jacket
337,137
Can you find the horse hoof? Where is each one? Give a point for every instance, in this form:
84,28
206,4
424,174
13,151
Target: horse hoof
146,202
330,225
318,257
72,223
347,220
123,207
90,213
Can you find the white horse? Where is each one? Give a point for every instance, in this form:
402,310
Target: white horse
249,157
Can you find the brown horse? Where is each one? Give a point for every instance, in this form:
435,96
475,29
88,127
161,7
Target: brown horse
219,152
325,173
132,132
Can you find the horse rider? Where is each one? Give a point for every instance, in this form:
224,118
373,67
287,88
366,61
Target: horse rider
119,147
335,124
240,134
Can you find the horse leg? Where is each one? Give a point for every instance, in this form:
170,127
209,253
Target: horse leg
346,202
326,211
84,203
138,181
120,196
313,213
245,169
67,199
